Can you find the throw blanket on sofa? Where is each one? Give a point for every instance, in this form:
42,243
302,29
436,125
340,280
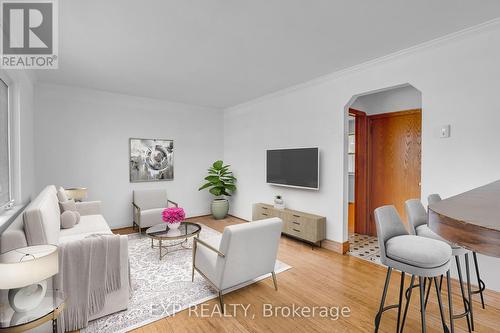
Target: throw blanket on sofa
89,269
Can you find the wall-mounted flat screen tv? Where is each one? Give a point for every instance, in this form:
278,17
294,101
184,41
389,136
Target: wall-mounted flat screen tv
295,167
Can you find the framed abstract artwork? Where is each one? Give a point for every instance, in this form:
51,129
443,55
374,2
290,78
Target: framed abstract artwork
151,160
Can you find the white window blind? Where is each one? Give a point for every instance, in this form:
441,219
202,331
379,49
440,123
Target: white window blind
4,145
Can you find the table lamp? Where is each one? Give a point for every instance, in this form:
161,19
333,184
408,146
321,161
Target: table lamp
24,272
76,193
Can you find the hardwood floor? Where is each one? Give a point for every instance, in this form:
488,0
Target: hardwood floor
319,277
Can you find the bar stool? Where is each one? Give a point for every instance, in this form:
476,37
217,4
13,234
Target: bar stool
433,198
418,256
417,219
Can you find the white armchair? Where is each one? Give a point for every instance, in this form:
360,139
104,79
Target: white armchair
148,206
245,251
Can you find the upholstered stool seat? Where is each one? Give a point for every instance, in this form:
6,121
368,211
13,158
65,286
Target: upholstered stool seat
417,220
425,231
425,258
418,252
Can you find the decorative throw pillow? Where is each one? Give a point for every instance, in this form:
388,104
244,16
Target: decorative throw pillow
68,205
61,195
77,217
68,219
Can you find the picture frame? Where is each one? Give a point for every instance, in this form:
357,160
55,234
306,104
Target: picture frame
151,160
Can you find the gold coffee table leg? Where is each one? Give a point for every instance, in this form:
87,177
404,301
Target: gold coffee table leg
160,247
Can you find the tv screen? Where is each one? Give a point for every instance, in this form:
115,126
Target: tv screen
298,167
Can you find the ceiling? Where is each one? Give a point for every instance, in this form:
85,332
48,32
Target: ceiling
221,53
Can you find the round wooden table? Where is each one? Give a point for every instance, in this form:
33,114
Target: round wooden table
470,219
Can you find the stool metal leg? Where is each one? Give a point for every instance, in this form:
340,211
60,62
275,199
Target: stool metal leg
450,301
469,293
480,282
382,301
465,301
408,298
440,303
422,302
401,289
422,309
428,292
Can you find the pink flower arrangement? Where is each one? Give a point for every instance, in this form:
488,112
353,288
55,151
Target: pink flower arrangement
173,215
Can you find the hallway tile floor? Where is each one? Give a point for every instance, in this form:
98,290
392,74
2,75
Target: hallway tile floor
364,247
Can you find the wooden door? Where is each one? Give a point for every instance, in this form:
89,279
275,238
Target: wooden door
394,153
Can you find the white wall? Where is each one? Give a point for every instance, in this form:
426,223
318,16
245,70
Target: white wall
82,139
459,79
392,100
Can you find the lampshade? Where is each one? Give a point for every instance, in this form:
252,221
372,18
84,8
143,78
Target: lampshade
77,193
28,265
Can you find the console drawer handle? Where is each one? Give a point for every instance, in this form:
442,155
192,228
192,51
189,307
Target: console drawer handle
295,222
296,215
264,214
264,207
295,230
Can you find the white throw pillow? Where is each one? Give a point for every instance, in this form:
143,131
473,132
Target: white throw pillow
68,219
77,214
68,205
61,195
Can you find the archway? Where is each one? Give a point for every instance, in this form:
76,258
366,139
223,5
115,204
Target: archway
383,158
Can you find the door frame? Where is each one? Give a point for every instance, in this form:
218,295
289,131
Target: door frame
361,225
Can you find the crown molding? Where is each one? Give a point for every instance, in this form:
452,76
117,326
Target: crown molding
437,42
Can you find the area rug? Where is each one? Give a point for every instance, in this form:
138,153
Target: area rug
161,288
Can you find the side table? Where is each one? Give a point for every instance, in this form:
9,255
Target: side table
49,310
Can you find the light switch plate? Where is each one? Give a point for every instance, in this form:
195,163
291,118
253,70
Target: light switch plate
445,131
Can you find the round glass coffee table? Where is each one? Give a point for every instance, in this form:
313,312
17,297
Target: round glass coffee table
168,238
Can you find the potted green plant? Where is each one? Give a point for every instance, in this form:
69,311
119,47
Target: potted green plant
220,182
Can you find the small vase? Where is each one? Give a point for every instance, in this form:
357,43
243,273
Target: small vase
279,203
174,226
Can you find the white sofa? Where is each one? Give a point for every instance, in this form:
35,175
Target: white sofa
40,224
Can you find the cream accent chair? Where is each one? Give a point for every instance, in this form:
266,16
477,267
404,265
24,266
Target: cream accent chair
246,251
148,206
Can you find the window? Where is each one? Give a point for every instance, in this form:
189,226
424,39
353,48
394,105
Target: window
5,185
